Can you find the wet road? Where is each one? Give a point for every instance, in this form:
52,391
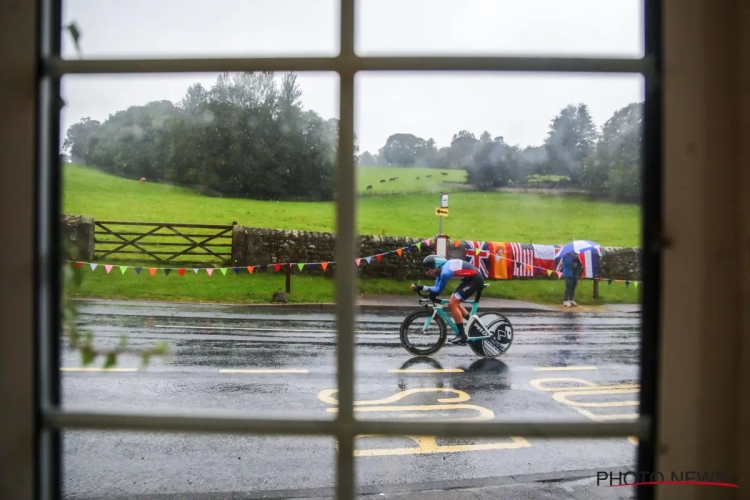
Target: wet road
234,359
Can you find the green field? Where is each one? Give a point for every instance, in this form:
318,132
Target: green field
406,181
476,216
547,219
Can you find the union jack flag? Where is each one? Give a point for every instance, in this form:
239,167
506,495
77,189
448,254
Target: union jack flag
481,259
523,255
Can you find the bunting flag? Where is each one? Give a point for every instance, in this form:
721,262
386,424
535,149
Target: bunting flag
496,261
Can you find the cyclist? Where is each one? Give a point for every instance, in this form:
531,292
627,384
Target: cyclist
445,269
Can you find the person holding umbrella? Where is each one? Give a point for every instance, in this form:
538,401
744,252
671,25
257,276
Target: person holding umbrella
572,267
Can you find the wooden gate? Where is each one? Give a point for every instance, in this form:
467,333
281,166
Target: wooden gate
163,242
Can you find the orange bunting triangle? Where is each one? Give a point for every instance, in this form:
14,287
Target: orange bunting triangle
277,267
457,242
152,270
250,269
399,252
324,265
528,267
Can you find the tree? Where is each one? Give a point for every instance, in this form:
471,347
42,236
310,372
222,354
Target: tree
614,170
492,164
402,149
571,138
76,141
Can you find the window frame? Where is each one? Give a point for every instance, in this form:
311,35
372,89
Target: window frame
52,419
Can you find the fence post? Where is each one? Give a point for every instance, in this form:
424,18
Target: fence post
288,278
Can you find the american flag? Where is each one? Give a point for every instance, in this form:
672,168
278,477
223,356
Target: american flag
523,255
480,260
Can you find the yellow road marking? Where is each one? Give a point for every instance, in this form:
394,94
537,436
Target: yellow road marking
587,388
425,444
563,368
562,397
326,396
96,369
263,370
429,370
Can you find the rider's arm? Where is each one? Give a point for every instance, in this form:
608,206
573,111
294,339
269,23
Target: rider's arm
440,282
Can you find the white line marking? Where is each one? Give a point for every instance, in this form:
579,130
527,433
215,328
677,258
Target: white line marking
429,370
239,328
563,368
264,370
94,369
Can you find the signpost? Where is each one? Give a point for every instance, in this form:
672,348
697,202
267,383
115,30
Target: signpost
442,239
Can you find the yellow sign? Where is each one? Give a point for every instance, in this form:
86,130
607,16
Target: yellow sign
450,405
441,211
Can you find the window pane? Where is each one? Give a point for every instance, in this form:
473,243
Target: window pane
585,28
187,199
191,28
530,164
156,465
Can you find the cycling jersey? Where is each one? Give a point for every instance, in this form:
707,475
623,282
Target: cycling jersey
454,268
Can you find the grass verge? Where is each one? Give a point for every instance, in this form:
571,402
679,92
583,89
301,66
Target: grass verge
259,287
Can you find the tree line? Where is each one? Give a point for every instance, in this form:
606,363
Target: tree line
605,162
247,136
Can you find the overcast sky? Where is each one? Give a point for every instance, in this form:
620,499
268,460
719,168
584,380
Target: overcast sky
516,106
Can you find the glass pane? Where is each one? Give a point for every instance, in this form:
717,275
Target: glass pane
182,196
524,176
191,28
586,28
112,465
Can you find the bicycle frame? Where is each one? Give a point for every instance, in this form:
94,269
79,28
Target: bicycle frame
438,307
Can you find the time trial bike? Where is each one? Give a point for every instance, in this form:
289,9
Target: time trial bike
424,332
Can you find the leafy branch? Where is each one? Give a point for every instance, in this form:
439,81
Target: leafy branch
83,341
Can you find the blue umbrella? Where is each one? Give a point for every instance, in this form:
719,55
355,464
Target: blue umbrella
579,246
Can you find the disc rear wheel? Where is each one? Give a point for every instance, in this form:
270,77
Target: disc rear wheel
501,338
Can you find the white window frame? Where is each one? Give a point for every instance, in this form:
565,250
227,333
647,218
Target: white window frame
52,419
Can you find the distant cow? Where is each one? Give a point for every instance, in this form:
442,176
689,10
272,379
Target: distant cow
143,179
382,180
429,175
391,179
444,173
369,187
417,177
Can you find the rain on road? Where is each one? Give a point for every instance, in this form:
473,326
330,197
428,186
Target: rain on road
282,364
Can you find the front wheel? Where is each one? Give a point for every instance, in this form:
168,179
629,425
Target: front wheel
422,334
501,330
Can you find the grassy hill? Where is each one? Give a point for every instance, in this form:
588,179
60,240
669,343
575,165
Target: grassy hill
481,216
477,216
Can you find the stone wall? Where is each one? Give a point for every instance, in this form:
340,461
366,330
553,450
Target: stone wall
77,233
266,247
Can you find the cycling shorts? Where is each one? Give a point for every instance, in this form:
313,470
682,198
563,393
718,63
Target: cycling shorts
469,286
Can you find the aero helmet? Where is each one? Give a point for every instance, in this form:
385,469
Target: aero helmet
433,261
